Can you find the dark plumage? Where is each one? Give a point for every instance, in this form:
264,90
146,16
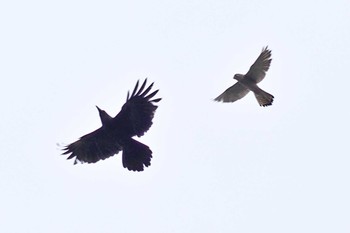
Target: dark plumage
115,134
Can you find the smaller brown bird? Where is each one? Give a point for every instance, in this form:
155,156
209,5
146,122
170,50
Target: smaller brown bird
248,82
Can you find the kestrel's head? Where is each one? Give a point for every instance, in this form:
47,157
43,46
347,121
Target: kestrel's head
238,77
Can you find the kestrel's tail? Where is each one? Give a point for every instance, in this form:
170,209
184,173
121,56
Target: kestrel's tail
264,98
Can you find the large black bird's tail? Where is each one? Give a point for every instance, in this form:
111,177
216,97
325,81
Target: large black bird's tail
136,155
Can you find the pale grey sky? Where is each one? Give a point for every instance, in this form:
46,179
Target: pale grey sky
216,167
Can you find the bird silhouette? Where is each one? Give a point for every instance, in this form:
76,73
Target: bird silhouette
248,82
115,134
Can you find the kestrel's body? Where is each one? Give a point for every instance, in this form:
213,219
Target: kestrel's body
248,82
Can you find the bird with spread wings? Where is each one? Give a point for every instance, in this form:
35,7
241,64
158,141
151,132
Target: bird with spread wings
248,82
115,134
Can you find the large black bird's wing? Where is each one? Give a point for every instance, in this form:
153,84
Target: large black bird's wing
92,147
258,70
136,115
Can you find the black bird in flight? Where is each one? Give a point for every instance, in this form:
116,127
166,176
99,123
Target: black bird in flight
115,134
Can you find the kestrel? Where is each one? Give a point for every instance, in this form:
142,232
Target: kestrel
248,82
115,134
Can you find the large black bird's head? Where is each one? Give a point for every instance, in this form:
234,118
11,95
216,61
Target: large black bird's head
105,118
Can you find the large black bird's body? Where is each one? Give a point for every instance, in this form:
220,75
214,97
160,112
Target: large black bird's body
115,134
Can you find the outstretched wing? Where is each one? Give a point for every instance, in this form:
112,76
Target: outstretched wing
92,147
136,115
233,93
258,70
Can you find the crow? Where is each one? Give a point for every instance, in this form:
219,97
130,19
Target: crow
115,134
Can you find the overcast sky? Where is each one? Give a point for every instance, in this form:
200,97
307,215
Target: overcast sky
216,167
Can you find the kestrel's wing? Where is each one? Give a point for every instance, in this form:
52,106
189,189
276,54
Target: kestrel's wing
92,147
258,70
233,93
136,115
